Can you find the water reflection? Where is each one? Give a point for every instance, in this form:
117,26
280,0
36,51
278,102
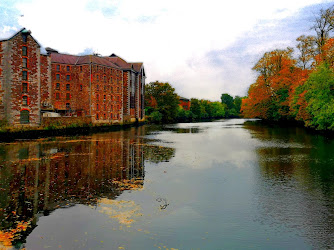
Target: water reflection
38,177
295,182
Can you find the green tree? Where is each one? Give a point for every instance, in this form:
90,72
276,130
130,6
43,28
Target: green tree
228,100
195,108
161,97
319,96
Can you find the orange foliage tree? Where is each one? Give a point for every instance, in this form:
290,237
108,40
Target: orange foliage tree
270,96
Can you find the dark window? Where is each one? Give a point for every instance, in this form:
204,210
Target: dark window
57,77
57,96
24,38
24,75
97,77
67,87
24,117
97,116
104,97
97,97
24,87
68,77
80,87
58,67
68,68
24,51
97,87
58,86
105,79
110,79
110,115
105,87
97,106
68,96
24,62
80,68
68,106
104,69
104,116
25,100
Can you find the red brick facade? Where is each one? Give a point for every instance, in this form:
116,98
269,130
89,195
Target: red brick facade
184,103
107,89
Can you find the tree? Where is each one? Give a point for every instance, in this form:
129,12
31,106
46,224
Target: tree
228,100
195,108
163,99
323,25
318,95
307,51
237,104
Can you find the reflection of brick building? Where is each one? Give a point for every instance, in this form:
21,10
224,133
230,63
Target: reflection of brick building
107,89
184,103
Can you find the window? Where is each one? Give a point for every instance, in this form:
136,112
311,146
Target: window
104,107
68,106
68,87
80,87
57,86
24,62
24,87
104,97
68,77
97,87
68,68
24,75
57,96
110,79
97,106
24,37
97,97
97,116
68,96
58,67
24,51
105,87
104,69
104,116
97,78
110,115
25,100
80,68
105,79
58,77
24,117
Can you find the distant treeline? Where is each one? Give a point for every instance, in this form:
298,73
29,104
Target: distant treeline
297,86
162,106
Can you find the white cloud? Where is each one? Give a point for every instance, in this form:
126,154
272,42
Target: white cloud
171,37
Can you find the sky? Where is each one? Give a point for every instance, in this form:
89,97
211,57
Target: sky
202,48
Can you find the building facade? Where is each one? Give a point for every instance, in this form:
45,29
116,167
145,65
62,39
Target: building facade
32,85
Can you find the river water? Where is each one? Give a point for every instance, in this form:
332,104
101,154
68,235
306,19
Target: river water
228,184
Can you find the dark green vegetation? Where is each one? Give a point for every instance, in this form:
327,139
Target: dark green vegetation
298,88
162,106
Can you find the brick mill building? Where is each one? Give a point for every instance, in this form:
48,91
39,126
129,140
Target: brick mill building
34,85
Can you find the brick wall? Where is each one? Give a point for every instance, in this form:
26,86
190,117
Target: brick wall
65,121
45,75
2,108
14,79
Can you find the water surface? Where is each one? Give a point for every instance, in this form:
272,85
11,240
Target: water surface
229,184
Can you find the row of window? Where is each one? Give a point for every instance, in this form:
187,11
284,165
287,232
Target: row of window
105,107
118,98
104,117
58,96
68,77
95,68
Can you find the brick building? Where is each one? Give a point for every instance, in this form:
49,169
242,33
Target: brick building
32,85
184,103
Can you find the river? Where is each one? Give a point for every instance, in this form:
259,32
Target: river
228,184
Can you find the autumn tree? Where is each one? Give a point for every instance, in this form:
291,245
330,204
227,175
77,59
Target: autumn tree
307,51
161,101
269,97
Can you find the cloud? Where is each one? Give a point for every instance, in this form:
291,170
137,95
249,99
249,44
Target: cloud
173,38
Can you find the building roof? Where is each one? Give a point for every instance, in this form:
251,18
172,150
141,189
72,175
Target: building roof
77,60
24,31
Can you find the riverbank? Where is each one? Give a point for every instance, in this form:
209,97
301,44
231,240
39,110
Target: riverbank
9,134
